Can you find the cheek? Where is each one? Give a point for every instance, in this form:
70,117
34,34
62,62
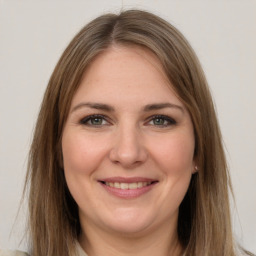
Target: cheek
175,155
172,157
81,154
175,160
81,157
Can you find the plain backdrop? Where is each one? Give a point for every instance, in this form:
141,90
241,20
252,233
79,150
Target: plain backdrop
33,34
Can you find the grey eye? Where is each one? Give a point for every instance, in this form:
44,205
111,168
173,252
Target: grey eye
160,121
94,120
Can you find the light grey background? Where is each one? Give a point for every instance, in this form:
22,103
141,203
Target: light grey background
33,35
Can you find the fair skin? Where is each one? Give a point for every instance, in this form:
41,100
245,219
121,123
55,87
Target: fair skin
128,149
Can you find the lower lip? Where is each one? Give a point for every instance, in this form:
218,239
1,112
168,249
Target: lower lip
128,193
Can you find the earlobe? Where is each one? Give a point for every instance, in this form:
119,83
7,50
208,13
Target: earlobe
195,170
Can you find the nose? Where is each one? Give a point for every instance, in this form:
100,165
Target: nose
128,149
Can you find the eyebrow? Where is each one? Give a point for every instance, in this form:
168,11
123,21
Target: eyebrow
151,107
99,106
108,108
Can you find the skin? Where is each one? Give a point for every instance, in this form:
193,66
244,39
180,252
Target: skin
128,141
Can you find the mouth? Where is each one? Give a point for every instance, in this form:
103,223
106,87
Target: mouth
132,185
127,188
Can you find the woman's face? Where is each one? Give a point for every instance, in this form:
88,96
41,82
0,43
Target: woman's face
128,144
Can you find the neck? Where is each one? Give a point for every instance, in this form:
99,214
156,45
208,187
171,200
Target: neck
162,241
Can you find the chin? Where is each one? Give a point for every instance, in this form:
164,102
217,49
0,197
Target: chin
129,228
129,222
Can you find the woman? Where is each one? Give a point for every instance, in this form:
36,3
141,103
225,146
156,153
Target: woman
127,157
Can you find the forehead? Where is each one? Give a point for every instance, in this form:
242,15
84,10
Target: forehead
119,57
127,72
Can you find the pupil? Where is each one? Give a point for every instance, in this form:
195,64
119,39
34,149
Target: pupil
159,121
96,121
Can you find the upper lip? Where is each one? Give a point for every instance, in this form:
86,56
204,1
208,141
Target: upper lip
127,179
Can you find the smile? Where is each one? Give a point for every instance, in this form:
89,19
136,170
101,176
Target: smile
134,185
127,188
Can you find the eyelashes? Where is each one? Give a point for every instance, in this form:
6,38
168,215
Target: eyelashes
94,120
161,120
99,121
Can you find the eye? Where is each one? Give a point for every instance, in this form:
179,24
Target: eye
94,120
161,120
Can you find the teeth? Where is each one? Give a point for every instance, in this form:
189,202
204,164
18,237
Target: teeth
140,185
124,185
117,185
133,185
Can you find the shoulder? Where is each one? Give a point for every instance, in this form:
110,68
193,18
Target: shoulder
12,253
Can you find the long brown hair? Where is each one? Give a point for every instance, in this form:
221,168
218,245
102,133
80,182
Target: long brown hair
204,225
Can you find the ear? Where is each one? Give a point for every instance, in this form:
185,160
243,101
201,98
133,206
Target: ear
195,169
